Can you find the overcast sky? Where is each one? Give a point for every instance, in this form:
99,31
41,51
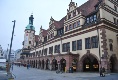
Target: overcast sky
20,10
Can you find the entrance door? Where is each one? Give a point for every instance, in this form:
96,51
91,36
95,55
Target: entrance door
54,64
63,64
90,64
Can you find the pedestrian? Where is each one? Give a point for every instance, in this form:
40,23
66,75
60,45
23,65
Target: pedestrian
12,67
27,66
100,71
103,72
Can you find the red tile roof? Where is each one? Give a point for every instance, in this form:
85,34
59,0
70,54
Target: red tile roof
86,9
44,32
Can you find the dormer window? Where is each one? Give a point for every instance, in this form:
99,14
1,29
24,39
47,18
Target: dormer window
78,23
66,29
87,20
70,26
74,25
91,19
69,16
74,13
95,17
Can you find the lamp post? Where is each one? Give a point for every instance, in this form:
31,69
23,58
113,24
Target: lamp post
10,47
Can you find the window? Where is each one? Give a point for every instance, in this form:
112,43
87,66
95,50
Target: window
79,44
45,51
74,13
69,16
66,29
87,43
50,50
115,8
42,51
95,17
57,48
94,41
117,21
39,52
45,39
28,47
91,19
111,47
66,47
87,20
74,25
78,23
51,35
111,44
70,26
29,42
73,45
114,20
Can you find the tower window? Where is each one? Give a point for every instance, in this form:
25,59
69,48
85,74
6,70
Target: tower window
29,42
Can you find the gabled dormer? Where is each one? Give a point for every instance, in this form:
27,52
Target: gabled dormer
72,11
50,33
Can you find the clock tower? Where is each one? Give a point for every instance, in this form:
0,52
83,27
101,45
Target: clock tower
29,36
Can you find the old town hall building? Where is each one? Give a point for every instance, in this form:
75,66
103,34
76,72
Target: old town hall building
86,38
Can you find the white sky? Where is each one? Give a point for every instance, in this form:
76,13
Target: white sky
20,10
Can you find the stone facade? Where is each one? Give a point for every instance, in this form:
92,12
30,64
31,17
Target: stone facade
86,38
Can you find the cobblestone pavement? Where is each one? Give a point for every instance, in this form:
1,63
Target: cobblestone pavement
3,75
22,73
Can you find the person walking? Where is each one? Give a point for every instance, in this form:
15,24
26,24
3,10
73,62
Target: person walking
100,71
103,72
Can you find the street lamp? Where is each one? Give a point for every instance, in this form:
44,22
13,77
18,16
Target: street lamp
10,47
